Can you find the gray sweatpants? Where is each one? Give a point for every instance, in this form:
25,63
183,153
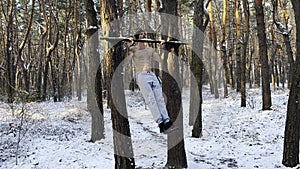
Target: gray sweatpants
152,93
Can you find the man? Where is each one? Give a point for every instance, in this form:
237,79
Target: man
148,83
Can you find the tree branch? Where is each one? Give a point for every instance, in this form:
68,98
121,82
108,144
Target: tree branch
3,12
21,47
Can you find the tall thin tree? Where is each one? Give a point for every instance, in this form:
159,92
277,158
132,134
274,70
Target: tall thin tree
291,134
213,59
24,67
171,86
7,14
197,66
262,39
223,48
123,151
49,48
244,54
286,37
94,97
238,45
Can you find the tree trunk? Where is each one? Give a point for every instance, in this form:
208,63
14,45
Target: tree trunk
45,78
244,55
287,41
231,61
238,46
77,52
213,55
54,74
273,60
230,47
148,7
64,83
197,68
250,71
257,66
49,49
123,151
22,63
124,157
94,100
10,68
291,135
261,32
223,48
171,87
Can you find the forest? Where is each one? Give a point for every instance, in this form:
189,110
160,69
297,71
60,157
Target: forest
229,71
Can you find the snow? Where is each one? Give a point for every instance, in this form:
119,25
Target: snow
233,137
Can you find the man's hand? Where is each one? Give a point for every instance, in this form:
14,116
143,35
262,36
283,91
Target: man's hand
162,42
129,41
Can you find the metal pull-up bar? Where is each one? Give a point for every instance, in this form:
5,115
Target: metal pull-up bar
142,40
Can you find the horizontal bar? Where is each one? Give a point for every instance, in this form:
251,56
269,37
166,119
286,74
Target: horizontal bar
141,40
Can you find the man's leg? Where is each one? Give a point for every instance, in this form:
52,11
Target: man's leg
145,83
167,126
157,90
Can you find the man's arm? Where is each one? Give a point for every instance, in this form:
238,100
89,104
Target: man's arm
131,52
129,55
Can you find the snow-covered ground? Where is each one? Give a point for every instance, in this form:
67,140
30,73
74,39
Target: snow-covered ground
233,137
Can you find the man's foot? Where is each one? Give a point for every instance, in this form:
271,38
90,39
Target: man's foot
167,127
161,127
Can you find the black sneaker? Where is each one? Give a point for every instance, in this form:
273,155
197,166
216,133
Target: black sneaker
161,127
167,127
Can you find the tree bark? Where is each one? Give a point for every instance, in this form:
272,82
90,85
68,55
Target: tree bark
64,83
257,66
49,49
291,134
77,52
286,37
261,32
238,46
123,151
22,64
197,67
10,68
223,48
94,99
213,55
124,157
171,87
244,55
232,80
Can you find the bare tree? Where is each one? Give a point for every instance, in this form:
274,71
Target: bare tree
197,67
172,89
123,151
49,48
286,37
21,60
94,97
238,45
64,84
244,54
77,46
10,68
223,48
261,32
291,134
213,59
